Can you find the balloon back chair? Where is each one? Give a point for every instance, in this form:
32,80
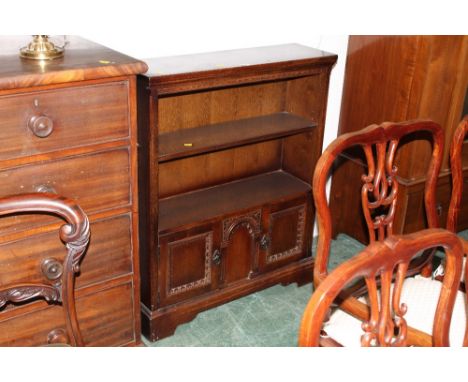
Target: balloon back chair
60,275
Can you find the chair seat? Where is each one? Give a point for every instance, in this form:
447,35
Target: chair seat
421,295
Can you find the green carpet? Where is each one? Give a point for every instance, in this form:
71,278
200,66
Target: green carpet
267,318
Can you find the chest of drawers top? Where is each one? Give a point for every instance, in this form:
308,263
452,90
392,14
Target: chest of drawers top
83,60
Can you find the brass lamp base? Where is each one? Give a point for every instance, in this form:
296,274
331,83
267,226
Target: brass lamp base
41,49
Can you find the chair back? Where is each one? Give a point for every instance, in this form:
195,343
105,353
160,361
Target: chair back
60,288
457,173
379,192
386,263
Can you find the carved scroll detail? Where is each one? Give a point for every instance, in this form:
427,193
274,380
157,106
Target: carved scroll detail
386,326
380,189
23,293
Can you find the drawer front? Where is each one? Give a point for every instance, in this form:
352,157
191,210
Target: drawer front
97,182
286,234
106,319
187,266
108,255
46,121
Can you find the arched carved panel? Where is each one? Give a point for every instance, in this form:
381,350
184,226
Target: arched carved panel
251,220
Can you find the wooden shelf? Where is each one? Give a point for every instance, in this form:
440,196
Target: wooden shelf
218,136
211,202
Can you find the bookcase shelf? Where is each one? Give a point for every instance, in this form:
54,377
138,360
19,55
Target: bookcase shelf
226,198
218,136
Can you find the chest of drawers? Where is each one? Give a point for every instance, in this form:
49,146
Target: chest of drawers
69,127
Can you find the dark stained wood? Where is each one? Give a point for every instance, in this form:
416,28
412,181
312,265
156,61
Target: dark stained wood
185,266
211,106
227,198
162,323
384,319
70,128
60,276
83,60
398,78
208,170
301,152
203,139
287,237
254,119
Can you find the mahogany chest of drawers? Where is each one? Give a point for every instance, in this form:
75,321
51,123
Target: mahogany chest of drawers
227,146
69,127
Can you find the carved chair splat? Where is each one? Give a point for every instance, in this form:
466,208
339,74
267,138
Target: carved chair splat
379,193
386,324
61,276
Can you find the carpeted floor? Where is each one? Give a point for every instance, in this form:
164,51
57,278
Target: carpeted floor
267,318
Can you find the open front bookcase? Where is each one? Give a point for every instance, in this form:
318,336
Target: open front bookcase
228,143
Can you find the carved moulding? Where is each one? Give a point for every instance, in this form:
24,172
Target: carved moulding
251,221
174,290
23,293
301,213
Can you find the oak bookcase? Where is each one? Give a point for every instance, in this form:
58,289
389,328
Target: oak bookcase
228,142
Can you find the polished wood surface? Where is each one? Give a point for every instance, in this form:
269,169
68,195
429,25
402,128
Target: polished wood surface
233,206
457,176
380,194
73,136
102,262
384,322
380,186
78,116
398,78
83,60
60,286
97,181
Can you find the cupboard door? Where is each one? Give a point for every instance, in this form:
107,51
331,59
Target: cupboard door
187,264
239,246
286,235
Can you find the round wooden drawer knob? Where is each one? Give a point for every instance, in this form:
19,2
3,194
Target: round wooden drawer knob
41,125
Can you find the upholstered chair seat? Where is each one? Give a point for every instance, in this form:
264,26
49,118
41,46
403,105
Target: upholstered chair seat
421,296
